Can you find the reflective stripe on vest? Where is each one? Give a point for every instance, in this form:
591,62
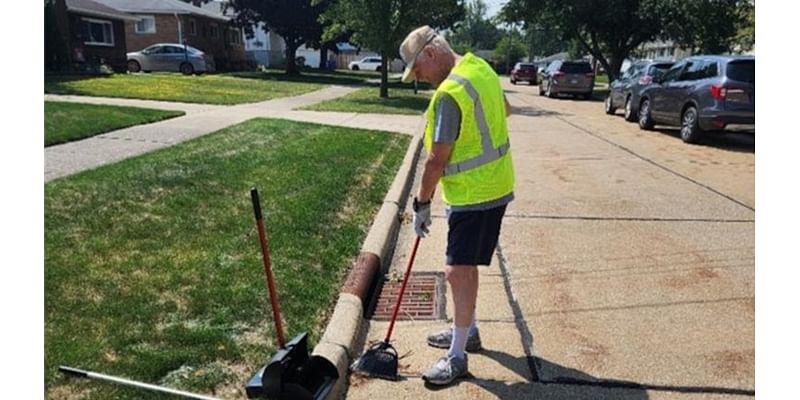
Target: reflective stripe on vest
489,153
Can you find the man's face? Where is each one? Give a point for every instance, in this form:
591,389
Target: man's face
426,68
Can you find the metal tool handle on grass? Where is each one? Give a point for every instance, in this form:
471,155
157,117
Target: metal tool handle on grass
79,373
402,288
273,293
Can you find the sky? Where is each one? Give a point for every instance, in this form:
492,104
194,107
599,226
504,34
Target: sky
493,6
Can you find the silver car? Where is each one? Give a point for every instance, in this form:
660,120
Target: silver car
170,57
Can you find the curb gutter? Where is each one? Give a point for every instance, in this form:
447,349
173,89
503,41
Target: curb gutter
345,324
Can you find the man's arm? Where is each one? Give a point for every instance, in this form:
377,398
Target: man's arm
433,170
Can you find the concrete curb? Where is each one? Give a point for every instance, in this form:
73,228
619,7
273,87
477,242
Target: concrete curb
345,324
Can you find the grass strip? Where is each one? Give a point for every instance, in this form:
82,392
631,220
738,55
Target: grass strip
152,265
65,121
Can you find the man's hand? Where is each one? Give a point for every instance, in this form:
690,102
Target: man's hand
422,217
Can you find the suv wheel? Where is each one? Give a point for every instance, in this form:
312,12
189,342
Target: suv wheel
629,115
355,67
513,82
609,105
645,121
690,131
541,92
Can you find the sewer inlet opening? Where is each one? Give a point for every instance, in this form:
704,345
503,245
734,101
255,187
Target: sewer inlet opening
424,298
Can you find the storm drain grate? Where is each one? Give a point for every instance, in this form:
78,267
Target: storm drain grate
424,298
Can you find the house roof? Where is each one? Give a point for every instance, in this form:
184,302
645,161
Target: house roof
216,6
161,7
93,8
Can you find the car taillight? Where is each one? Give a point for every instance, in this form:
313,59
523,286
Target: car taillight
558,75
589,75
718,92
646,80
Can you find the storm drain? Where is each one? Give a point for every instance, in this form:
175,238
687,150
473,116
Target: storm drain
424,298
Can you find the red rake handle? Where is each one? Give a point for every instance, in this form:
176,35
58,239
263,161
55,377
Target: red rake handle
402,289
273,293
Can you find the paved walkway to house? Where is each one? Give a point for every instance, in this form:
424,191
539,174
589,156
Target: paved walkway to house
200,119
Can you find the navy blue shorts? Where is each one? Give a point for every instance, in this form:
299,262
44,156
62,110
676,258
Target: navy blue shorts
473,235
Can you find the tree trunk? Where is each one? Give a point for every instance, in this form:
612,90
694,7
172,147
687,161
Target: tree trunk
384,77
323,57
291,54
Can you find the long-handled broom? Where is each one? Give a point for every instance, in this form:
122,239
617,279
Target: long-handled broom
380,360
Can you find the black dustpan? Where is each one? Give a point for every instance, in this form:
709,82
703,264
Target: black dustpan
292,373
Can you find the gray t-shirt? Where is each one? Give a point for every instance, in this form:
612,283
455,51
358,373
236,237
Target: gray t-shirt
447,126
448,120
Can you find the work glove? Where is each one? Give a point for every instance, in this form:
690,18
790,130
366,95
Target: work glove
422,217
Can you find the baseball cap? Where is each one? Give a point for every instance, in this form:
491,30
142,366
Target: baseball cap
412,46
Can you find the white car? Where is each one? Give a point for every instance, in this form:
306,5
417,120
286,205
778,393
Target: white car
366,64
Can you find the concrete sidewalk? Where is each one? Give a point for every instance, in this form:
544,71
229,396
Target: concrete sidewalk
201,119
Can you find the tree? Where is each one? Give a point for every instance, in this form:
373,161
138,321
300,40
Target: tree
609,30
704,26
296,21
746,33
380,25
476,31
509,50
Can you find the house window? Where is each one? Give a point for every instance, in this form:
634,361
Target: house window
98,32
214,30
147,24
193,27
235,36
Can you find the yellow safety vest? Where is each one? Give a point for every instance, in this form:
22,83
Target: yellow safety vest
479,169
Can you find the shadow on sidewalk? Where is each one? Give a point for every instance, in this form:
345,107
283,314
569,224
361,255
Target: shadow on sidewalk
549,380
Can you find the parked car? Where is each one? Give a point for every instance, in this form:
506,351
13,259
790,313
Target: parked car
523,72
170,57
628,88
570,77
702,94
366,64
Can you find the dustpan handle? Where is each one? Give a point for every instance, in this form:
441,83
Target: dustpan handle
402,289
273,293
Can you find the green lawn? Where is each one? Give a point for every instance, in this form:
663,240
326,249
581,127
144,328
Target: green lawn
152,265
210,89
367,100
64,122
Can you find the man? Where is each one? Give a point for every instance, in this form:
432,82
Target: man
468,153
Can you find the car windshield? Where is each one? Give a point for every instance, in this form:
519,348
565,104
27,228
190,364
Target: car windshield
743,71
526,66
576,68
656,70
193,50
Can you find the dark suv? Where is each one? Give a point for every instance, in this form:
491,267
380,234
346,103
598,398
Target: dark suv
523,72
703,93
571,77
626,91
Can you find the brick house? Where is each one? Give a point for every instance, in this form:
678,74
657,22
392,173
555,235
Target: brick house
173,21
93,33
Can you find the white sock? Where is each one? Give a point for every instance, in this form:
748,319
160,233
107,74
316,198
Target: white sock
459,343
473,326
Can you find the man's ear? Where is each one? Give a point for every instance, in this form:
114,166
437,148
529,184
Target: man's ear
429,52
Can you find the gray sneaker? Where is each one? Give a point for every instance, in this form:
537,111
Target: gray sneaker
443,339
446,370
